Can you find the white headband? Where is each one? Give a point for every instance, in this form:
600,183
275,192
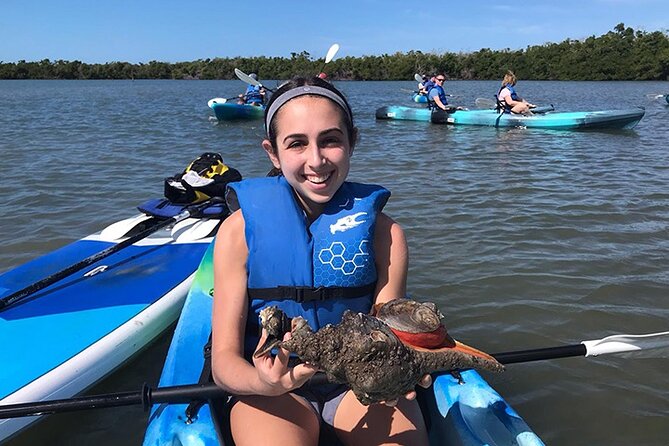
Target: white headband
302,91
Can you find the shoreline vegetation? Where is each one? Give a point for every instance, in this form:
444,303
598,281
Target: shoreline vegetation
620,54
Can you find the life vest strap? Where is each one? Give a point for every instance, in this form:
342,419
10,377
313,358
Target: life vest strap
309,294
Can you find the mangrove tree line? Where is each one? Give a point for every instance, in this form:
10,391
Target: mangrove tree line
620,54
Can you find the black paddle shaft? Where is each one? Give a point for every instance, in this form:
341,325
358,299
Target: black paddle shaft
16,297
185,394
146,397
541,354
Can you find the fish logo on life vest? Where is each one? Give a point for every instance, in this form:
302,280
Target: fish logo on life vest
346,223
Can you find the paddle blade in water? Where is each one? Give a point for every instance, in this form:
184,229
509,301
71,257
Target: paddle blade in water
652,345
484,103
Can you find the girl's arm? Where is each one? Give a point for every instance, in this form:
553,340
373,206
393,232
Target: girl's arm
231,371
392,264
392,260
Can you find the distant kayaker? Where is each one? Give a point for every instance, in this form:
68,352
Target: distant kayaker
508,99
437,96
425,85
254,94
315,245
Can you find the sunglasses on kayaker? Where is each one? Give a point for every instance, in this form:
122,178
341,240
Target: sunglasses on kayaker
441,79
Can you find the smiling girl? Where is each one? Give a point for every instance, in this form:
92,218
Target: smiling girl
315,245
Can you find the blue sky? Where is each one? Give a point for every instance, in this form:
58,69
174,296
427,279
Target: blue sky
98,31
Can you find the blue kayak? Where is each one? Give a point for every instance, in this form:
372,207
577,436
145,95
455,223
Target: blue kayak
231,111
66,337
468,413
542,118
420,98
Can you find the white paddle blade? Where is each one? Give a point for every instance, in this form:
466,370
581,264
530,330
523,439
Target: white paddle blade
246,78
631,344
418,77
120,229
332,52
484,103
654,97
213,101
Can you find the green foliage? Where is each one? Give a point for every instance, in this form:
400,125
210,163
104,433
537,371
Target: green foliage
620,54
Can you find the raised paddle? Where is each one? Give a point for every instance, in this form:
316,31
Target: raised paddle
332,52
249,80
23,293
622,343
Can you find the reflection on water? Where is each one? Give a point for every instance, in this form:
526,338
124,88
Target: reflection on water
526,238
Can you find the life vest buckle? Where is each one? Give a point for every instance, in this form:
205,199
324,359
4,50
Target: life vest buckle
309,294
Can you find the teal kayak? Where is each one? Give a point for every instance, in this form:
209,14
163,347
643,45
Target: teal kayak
469,412
229,111
420,98
607,119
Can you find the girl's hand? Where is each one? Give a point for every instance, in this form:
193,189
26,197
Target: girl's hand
275,375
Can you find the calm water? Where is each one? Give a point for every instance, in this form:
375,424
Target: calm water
526,238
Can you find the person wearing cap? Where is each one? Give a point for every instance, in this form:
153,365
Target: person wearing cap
254,94
275,250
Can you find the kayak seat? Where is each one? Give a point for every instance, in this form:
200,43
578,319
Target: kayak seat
164,208
439,116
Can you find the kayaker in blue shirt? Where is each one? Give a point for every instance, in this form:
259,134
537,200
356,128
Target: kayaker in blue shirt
437,96
508,99
276,242
423,86
254,94
427,84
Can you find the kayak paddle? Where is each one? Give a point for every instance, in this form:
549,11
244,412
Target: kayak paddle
147,396
20,295
485,103
249,80
332,52
222,100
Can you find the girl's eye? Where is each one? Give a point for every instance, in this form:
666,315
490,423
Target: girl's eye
331,141
295,144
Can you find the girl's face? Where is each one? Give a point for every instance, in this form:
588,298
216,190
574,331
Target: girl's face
313,150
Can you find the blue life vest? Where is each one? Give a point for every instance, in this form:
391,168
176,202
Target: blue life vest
437,90
502,103
315,271
252,95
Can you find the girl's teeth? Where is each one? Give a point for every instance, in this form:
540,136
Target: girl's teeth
318,179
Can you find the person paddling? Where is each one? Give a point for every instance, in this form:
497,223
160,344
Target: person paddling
507,98
315,245
254,94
